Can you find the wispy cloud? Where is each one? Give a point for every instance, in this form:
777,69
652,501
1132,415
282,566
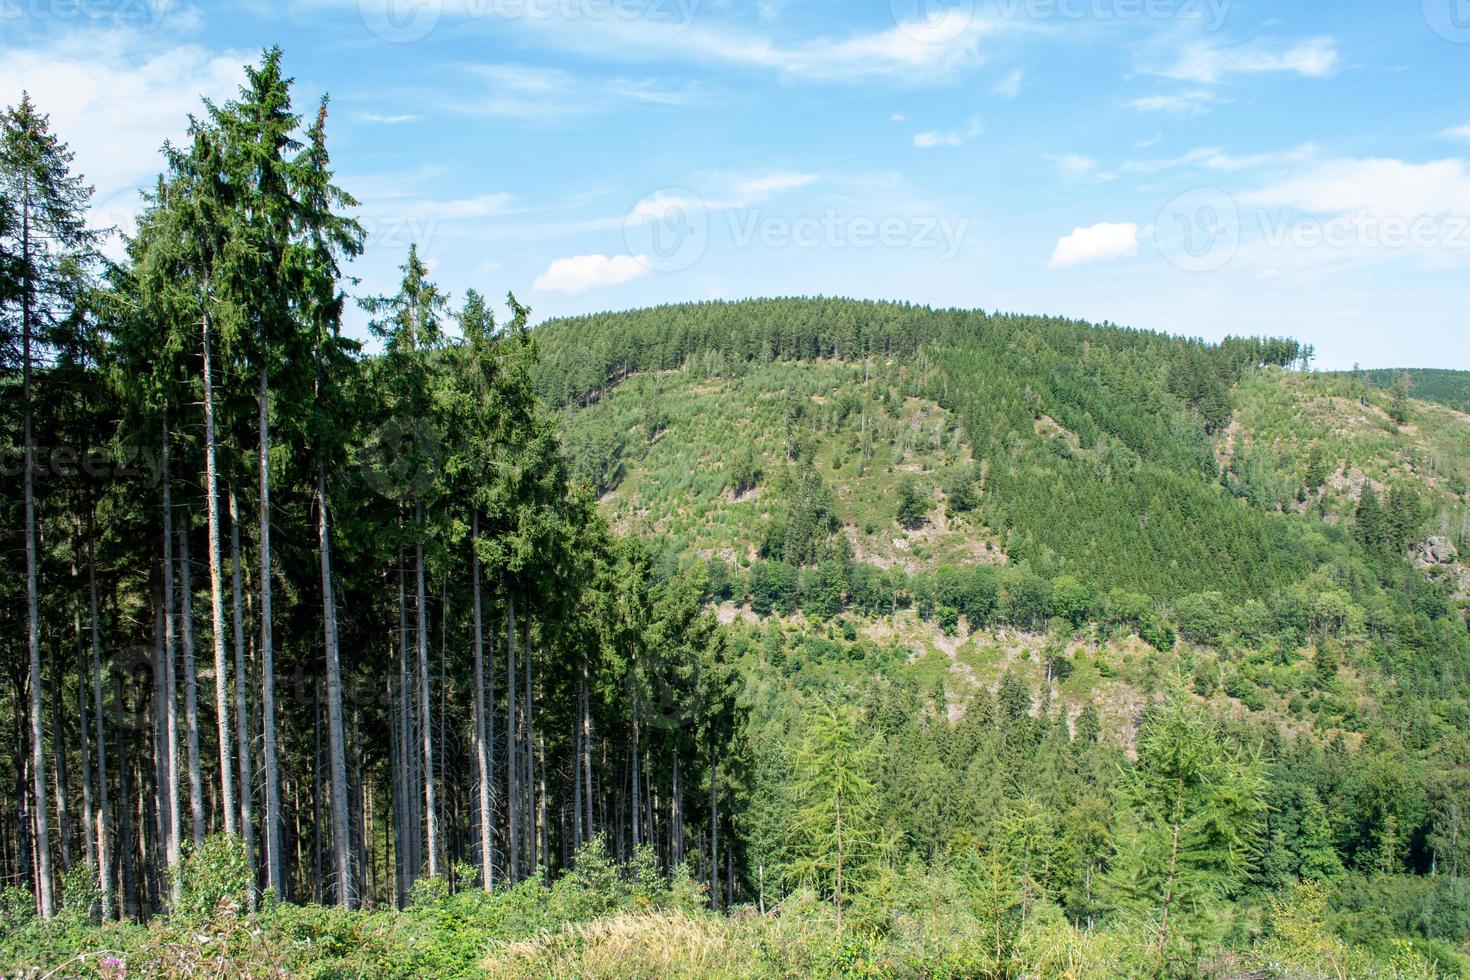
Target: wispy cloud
912,52
950,138
385,120
1076,167
1458,133
1194,102
531,93
1212,158
1010,86
1211,61
1380,187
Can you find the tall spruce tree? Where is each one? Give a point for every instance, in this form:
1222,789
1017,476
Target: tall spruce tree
51,253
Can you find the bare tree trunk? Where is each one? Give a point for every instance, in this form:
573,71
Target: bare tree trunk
89,812
512,808
404,862
103,818
577,775
169,771
191,687
58,741
341,836
316,794
125,848
33,612
395,773
587,752
676,816
533,851
714,824
430,813
242,694
275,871
482,728
636,796
216,593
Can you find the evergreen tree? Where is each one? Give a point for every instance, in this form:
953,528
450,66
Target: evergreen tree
1194,804
834,832
49,254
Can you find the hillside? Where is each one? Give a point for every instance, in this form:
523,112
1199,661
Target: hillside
1449,388
1224,487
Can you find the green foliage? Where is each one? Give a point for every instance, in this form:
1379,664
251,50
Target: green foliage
213,874
834,835
17,908
913,503
81,894
1194,805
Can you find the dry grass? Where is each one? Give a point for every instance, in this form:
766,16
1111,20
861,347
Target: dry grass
661,944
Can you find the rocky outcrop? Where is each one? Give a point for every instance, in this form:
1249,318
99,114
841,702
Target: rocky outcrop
1435,551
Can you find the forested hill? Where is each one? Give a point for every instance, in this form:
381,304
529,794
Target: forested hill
1450,388
1096,440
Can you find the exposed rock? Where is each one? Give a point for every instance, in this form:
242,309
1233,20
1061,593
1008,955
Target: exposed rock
1436,551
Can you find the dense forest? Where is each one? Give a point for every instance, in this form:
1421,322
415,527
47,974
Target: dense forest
783,637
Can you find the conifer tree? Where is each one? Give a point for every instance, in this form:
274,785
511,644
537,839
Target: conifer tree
1194,805
51,253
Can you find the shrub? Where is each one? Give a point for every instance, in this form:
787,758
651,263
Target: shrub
213,874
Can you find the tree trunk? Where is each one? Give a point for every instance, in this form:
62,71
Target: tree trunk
533,848
404,863
714,824
58,742
103,818
33,612
635,765
587,752
170,811
275,872
430,813
191,687
481,723
216,593
341,837
242,695
512,800
125,847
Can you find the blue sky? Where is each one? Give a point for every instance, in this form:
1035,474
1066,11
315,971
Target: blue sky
1203,167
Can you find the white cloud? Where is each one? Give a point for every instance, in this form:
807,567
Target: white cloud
898,117
116,101
1095,244
1211,61
913,52
959,137
1076,167
523,92
734,192
1218,160
1195,102
580,273
1010,86
1377,187
1459,133
760,188
385,120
